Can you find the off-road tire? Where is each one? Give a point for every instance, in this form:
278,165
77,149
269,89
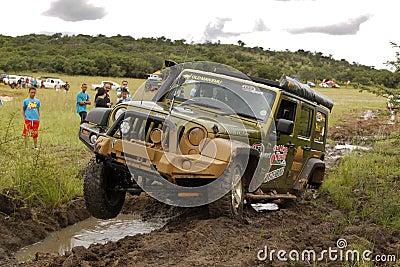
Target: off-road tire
307,193
231,204
101,199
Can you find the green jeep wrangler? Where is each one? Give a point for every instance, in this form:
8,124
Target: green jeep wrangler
209,135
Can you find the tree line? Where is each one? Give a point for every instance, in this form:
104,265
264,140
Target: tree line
125,56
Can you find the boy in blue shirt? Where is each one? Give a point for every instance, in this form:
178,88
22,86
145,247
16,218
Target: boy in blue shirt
82,100
31,113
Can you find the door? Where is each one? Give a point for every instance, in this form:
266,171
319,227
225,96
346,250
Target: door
304,133
283,152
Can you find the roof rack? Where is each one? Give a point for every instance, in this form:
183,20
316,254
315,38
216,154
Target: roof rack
287,84
291,85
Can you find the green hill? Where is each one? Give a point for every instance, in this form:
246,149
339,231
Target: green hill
124,56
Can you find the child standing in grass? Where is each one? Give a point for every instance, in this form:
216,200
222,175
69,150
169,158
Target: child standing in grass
31,113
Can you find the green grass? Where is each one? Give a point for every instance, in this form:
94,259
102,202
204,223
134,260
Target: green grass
368,186
348,99
47,176
365,183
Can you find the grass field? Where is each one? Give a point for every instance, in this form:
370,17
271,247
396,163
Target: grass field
347,99
49,176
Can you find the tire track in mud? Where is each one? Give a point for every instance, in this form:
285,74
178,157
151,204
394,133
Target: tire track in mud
193,238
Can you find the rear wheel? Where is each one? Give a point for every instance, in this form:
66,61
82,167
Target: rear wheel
231,204
102,198
310,189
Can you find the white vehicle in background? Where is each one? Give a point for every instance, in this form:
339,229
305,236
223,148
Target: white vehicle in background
51,82
114,85
11,79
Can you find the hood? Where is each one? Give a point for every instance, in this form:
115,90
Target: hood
212,120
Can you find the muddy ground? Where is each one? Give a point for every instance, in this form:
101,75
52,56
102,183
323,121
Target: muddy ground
192,238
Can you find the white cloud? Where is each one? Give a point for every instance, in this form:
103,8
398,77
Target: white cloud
349,27
74,10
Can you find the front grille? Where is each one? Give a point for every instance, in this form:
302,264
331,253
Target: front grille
142,124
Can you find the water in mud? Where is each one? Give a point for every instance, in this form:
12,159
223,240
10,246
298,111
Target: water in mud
88,232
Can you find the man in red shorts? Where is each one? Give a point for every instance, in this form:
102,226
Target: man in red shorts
30,110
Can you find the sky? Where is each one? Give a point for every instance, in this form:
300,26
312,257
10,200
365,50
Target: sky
354,30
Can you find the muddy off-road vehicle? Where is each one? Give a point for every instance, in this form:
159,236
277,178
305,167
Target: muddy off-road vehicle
207,137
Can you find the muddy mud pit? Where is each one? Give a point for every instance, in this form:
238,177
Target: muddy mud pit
191,237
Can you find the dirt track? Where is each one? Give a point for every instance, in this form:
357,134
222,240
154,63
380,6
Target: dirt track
193,238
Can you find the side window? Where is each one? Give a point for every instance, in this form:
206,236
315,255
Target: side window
287,110
305,122
320,127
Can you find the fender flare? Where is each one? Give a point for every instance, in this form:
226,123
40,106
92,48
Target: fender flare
248,155
307,171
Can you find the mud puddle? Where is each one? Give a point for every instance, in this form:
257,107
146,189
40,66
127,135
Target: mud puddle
87,232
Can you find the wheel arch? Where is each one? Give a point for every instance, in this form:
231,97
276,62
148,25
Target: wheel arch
312,173
249,157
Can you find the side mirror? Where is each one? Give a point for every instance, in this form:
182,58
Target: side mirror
284,126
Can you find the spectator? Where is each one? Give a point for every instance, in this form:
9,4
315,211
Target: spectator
101,100
31,113
58,86
82,100
66,87
34,82
106,87
119,90
124,96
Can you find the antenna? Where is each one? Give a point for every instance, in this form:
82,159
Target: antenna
144,89
173,100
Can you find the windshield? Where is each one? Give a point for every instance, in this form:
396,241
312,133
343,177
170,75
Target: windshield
233,97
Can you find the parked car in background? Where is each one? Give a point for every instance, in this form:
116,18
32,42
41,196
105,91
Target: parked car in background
2,76
114,85
311,84
51,82
11,79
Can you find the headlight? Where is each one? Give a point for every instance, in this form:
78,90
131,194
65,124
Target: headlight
196,135
93,138
125,127
156,136
119,113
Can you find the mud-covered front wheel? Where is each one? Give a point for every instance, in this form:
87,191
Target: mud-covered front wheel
102,199
231,204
